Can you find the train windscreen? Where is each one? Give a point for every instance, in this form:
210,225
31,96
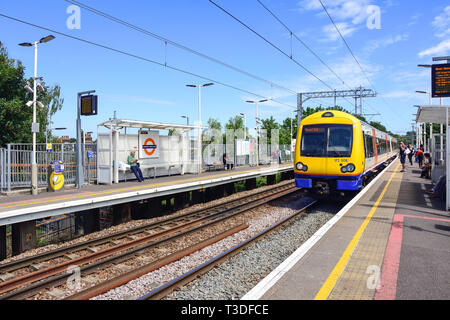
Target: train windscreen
326,140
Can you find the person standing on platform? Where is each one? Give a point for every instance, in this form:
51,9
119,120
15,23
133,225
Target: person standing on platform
409,151
419,155
402,156
134,166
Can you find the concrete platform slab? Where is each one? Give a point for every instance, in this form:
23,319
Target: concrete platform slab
390,243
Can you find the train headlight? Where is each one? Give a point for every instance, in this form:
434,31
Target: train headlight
348,168
301,167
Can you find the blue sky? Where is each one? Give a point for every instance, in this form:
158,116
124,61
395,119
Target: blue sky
411,33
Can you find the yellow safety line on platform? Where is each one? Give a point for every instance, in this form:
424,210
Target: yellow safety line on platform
329,284
127,189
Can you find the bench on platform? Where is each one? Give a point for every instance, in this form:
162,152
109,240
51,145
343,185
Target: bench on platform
126,167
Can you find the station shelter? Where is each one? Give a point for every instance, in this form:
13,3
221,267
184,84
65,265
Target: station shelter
437,142
159,154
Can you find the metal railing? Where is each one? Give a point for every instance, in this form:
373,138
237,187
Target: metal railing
15,163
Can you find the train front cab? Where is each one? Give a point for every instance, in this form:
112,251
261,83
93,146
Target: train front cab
329,153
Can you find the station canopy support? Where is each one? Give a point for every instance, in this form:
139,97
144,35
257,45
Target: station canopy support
440,115
113,151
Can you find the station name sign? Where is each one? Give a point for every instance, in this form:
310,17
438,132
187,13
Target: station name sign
440,80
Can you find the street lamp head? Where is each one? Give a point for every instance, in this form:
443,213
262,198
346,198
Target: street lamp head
26,44
250,101
28,88
264,100
424,65
191,85
47,39
420,91
207,84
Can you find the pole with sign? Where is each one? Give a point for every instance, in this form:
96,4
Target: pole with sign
86,106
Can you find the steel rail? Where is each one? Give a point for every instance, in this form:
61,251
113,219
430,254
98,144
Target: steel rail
134,274
187,277
131,247
59,252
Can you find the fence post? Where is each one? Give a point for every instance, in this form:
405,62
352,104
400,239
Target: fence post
9,168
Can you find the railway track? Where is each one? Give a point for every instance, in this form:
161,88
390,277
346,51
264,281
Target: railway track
164,290
125,244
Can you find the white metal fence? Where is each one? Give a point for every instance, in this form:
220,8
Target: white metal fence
15,163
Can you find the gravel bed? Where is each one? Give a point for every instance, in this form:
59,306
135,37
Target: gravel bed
132,224
238,275
258,219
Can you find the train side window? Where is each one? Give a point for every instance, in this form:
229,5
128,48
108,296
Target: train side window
369,146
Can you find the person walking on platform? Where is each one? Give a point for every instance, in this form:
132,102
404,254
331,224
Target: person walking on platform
409,151
402,156
419,155
134,166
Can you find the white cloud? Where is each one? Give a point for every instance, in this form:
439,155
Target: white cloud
441,49
344,28
382,43
442,23
348,14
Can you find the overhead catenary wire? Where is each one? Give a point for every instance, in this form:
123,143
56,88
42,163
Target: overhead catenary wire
147,60
272,44
177,45
292,34
354,57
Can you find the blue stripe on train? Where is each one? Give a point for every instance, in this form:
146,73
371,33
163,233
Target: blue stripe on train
342,182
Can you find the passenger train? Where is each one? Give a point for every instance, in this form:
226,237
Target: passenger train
336,152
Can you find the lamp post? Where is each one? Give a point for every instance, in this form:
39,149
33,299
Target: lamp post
35,126
199,140
187,119
257,127
245,125
441,127
431,125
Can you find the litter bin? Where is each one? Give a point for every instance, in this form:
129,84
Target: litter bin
55,174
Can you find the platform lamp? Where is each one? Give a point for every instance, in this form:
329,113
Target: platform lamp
431,125
257,127
187,119
35,126
245,125
441,127
199,142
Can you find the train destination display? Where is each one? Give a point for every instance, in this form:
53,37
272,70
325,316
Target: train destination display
440,80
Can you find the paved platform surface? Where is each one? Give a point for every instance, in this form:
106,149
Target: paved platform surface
393,243
26,207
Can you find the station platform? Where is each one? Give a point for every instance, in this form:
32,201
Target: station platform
21,208
390,242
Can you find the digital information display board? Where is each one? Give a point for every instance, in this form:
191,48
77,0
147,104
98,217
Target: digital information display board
89,105
440,80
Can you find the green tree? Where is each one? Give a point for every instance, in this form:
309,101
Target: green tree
235,123
269,124
15,116
285,131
